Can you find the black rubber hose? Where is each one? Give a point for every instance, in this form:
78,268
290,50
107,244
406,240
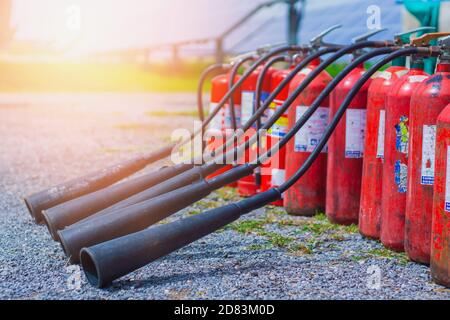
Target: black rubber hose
210,71
231,79
118,223
110,260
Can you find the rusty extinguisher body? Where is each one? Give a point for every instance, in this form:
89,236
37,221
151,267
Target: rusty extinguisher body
221,126
345,152
273,169
307,196
440,233
371,184
247,186
395,166
428,100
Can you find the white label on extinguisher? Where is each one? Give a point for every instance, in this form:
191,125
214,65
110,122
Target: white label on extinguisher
247,103
428,153
418,78
278,177
216,122
355,127
447,182
381,131
310,134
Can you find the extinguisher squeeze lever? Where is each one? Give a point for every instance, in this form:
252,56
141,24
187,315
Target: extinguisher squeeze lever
318,42
404,38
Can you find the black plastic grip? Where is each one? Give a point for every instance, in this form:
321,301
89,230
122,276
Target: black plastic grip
92,182
107,261
68,213
129,220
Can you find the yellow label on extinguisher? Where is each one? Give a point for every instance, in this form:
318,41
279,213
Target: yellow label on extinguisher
280,127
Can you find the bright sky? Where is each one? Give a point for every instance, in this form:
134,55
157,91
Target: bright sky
105,24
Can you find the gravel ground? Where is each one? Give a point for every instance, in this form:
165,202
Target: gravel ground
46,139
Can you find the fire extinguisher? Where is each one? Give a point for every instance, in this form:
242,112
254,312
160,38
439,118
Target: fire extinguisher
217,128
273,170
428,100
247,186
346,149
395,166
229,116
440,233
371,185
307,196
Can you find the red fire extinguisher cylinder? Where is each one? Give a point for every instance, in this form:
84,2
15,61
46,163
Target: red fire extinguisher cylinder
428,100
307,196
371,186
395,166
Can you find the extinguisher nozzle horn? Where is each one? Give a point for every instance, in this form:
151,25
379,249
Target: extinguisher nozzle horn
110,260
70,212
78,187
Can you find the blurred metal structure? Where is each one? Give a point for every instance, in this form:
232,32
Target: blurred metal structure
294,16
